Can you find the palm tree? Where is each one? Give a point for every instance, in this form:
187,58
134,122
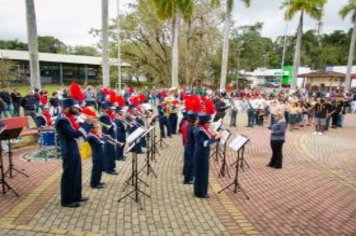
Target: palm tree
346,10
173,10
105,43
314,8
33,44
229,4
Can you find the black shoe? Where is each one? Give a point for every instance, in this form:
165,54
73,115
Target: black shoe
188,182
72,205
269,165
83,199
102,183
98,186
112,173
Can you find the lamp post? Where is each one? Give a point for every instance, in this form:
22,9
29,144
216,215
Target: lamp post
118,47
239,49
284,51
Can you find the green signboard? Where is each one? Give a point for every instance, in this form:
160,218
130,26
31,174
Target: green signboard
287,76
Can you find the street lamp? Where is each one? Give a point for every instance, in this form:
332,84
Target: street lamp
239,49
118,47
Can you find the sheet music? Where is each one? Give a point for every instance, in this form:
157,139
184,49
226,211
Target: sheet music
225,136
135,135
148,130
216,125
238,142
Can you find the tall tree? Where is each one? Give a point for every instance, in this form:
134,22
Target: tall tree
314,8
173,10
33,44
229,4
105,42
350,8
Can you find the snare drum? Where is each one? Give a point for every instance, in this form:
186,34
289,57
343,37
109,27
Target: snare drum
47,138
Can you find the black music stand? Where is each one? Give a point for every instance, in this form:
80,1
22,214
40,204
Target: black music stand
5,185
148,165
239,146
7,135
134,178
224,166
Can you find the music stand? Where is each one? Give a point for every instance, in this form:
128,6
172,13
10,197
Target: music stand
238,145
3,182
148,165
7,135
134,140
223,141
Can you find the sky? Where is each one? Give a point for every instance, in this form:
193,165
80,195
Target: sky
71,20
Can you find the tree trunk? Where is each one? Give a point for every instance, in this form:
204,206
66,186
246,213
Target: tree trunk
175,52
351,59
225,52
33,44
105,43
187,55
296,62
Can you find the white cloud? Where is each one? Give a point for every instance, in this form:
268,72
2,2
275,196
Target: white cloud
269,12
71,20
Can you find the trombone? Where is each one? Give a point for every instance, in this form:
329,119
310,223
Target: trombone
113,141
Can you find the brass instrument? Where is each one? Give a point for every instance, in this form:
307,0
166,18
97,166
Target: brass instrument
113,141
83,117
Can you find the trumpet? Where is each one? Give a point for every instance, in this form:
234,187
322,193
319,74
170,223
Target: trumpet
84,118
106,126
113,141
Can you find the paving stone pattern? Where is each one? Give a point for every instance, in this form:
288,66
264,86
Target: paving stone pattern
307,196
314,193
171,210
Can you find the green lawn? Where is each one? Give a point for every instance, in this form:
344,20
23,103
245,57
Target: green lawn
23,89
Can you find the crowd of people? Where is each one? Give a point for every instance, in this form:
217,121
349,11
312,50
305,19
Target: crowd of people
104,117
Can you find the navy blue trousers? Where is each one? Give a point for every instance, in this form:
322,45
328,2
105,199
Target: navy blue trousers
71,182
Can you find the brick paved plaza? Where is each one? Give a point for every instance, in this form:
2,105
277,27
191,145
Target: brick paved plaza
314,193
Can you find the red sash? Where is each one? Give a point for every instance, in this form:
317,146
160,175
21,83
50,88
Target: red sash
110,115
72,120
207,131
47,117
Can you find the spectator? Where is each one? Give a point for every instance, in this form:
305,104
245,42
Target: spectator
16,101
29,105
37,97
5,99
233,111
90,97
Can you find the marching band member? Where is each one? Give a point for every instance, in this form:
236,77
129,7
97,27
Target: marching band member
163,119
68,131
191,104
107,119
54,103
120,133
203,138
45,119
173,115
183,128
97,149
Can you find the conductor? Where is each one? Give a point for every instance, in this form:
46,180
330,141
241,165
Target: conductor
68,130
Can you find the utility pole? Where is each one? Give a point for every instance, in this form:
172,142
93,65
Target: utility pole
118,48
